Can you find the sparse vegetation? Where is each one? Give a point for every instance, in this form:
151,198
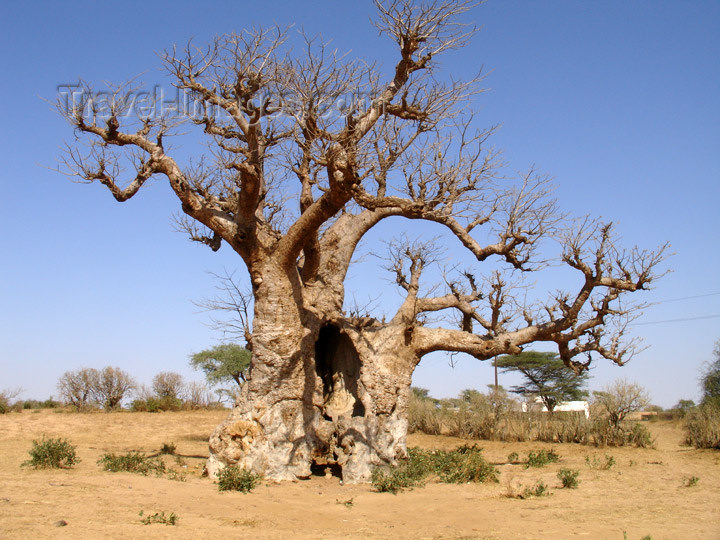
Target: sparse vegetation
52,454
513,457
168,448
692,481
236,479
495,416
159,517
596,463
702,426
6,396
539,489
569,478
35,404
133,462
461,465
541,458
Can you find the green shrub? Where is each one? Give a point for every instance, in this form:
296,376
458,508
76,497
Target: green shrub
393,480
461,465
157,404
133,462
569,478
52,454
702,427
541,458
236,479
513,457
540,489
159,517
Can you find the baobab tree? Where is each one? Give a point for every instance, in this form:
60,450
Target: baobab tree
308,152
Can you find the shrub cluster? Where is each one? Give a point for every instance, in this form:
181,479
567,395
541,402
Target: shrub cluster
133,462
541,458
569,478
702,426
159,517
52,454
494,416
461,465
236,479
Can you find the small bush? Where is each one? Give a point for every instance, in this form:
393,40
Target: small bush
513,457
236,479
49,403
692,481
540,489
159,517
702,427
569,478
52,454
393,480
133,462
178,476
541,458
168,448
462,465
596,463
155,404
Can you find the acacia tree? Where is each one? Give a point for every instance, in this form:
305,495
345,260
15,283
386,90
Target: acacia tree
546,376
223,363
292,185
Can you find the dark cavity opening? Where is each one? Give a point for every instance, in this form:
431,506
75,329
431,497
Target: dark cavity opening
325,469
337,363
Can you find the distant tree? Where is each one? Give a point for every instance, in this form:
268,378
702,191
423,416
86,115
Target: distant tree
710,380
421,393
77,388
168,385
112,386
197,395
684,405
6,396
620,399
223,363
546,376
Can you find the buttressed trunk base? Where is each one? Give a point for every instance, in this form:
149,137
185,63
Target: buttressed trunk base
343,404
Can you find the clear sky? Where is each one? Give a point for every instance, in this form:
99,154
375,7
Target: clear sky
617,100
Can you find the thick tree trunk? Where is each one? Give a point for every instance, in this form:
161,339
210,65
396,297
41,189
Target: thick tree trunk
329,392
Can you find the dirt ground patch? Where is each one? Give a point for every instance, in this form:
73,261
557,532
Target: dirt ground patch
642,494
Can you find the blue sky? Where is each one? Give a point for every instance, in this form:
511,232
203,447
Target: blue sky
616,100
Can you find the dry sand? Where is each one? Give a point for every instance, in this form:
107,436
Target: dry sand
643,494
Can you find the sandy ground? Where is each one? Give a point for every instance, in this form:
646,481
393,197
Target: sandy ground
643,494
